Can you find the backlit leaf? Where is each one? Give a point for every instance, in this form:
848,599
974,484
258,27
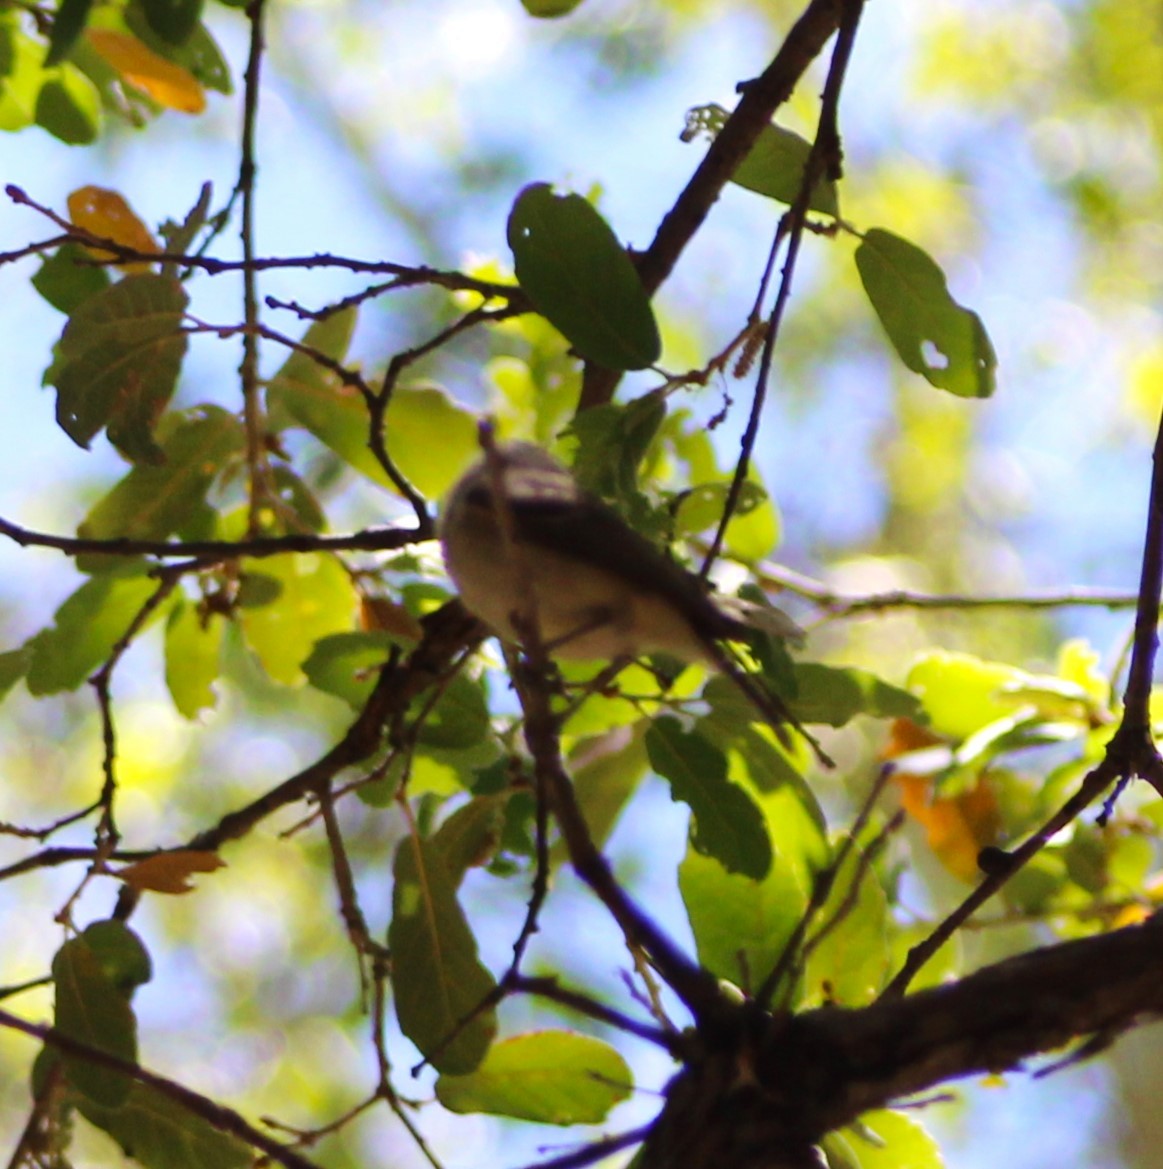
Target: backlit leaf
315,598
430,437
471,835
168,84
460,718
348,664
106,214
549,1077
850,964
153,502
68,106
580,278
85,628
740,925
961,693
308,394
957,827
774,166
883,1140
437,978
21,74
193,650
933,335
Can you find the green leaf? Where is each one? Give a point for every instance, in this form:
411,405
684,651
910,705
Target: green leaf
301,377
13,666
68,106
193,650
727,824
198,53
607,770
579,277
307,394
547,9
68,277
549,1077
430,437
85,629
91,1009
153,502
883,1140
834,696
159,1133
173,20
460,718
933,335
67,26
119,358
612,441
124,959
348,664
961,693
851,963
437,978
774,166
316,598
740,925
471,835
21,74
702,506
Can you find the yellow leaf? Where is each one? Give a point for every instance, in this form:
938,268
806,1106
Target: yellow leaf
169,872
106,213
168,84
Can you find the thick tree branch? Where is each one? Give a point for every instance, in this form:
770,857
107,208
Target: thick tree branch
760,99
765,1090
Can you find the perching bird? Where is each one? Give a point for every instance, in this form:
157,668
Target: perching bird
554,555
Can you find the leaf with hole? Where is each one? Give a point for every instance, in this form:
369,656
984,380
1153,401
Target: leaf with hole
933,335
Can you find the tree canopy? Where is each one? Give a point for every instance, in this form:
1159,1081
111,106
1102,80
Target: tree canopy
850,309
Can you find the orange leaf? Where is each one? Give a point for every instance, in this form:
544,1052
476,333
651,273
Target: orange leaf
168,84
169,872
905,735
957,828
106,213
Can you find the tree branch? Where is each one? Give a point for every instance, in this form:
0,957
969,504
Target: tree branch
766,1090
761,98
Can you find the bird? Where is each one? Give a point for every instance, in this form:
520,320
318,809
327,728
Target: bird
530,550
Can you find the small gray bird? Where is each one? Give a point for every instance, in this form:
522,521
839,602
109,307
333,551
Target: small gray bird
599,589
